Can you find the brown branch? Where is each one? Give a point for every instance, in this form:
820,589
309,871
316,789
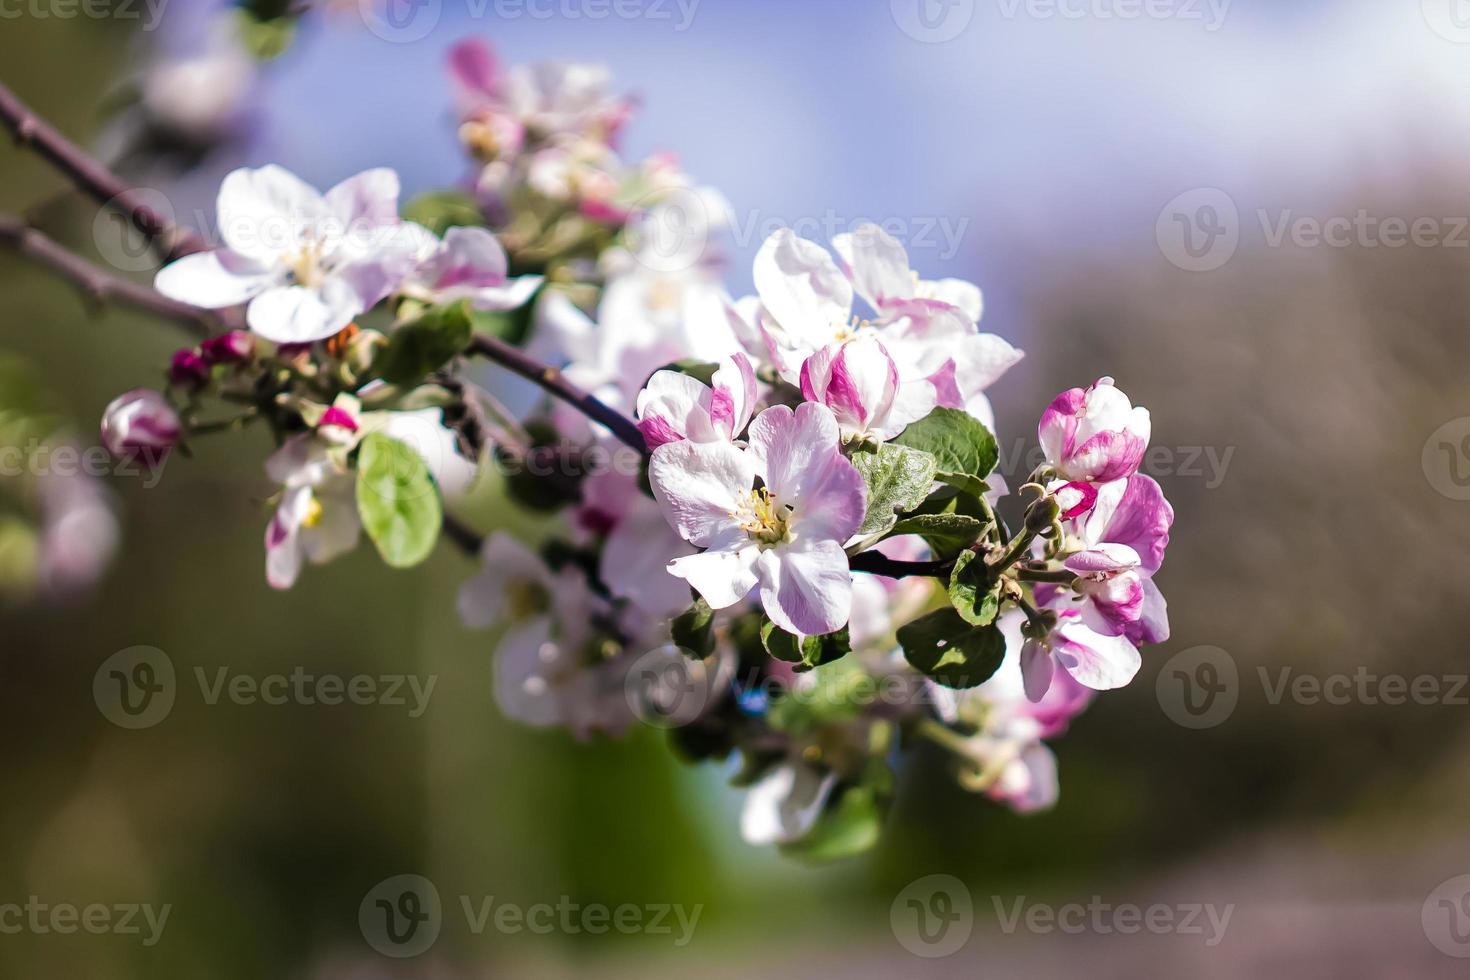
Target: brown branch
97,287
89,175
552,380
877,563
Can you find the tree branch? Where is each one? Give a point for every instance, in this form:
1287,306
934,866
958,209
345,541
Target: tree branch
89,175
97,286
877,563
552,380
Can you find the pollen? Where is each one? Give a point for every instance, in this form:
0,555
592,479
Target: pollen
765,518
313,513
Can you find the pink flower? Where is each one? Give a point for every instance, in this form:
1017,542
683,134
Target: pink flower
859,381
675,406
1094,435
1125,534
1092,659
469,263
140,424
785,538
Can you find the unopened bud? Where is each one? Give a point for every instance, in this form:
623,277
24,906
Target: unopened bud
188,369
1042,513
229,348
140,424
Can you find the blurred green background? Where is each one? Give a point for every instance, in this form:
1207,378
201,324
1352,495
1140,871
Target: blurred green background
1324,548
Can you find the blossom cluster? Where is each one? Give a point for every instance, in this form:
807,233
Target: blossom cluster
813,506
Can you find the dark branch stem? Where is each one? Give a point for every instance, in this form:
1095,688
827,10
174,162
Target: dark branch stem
555,383
98,287
92,177
877,563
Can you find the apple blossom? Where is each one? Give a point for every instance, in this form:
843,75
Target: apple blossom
306,263
1094,435
675,406
786,537
469,263
859,382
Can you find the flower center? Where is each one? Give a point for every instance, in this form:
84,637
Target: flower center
765,518
525,598
313,513
849,330
306,267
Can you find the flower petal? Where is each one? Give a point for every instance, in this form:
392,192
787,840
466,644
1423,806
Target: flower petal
1100,662
297,315
802,288
725,573
806,587
700,486
213,280
877,264
265,213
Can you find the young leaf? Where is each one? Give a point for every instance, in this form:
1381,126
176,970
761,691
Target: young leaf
416,350
694,630
441,210
964,450
947,534
949,650
397,501
975,597
898,480
806,652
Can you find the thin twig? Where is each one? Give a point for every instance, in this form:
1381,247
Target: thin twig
98,287
89,175
555,383
877,563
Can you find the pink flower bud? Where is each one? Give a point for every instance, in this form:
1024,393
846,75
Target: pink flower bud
140,424
1094,435
188,369
858,381
229,348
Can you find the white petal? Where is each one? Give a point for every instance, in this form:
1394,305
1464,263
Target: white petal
266,213
1100,662
957,292
369,199
802,288
980,360
503,560
1036,669
701,486
512,296
525,689
806,590
725,574
635,561
793,450
213,280
784,805
297,315
877,264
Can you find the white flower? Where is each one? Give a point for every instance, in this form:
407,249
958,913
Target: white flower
306,262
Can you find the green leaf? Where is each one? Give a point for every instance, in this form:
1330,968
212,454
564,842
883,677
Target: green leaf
898,480
964,450
418,349
397,501
441,210
807,652
944,647
976,598
849,826
511,326
694,630
947,534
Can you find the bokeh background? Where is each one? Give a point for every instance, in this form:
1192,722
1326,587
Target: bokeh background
1039,151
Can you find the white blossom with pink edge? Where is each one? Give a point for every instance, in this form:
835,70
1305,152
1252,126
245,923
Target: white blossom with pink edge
859,381
785,538
1125,536
316,519
675,406
806,304
1094,435
469,263
307,263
